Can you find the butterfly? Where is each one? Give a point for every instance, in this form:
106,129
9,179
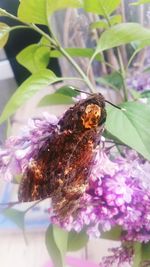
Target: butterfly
62,166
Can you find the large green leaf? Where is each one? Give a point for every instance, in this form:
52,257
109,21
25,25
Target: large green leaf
61,240
26,90
33,11
101,7
56,243
37,11
76,241
4,33
145,251
52,247
141,254
121,34
137,255
34,57
131,126
68,91
55,99
62,96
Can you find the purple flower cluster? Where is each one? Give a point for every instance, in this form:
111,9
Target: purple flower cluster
18,151
118,195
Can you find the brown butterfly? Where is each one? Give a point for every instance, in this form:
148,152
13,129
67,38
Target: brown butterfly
62,166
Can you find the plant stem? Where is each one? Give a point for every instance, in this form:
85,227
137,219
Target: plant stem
19,27
123,74
41,32
132,57
105,14
78,69
112,67
120,61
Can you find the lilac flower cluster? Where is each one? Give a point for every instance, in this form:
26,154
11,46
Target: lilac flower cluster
118,195
18,151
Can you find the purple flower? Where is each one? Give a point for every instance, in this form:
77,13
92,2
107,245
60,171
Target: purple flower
120,257
117,196
18,151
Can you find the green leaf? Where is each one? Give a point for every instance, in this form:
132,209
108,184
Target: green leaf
32,11
62,96
137,254
115,19
55,99
104,23
145,251
121,34
76,52
52,247
131,126
15,216
114,234
61,240
26,90
68,91
76,241
101,7
34,57
44,41
140,2
114,80
4,34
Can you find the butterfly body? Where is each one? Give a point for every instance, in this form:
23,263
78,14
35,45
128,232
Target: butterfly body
63,164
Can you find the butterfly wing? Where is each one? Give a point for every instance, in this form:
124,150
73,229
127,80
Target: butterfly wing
61,168
57,164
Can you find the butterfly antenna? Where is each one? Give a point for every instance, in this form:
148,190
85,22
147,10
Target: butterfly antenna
114,105
80,91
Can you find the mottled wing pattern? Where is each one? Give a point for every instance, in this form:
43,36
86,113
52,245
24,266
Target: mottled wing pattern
61,168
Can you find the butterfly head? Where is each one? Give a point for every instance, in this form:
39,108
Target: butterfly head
94,114
86,114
